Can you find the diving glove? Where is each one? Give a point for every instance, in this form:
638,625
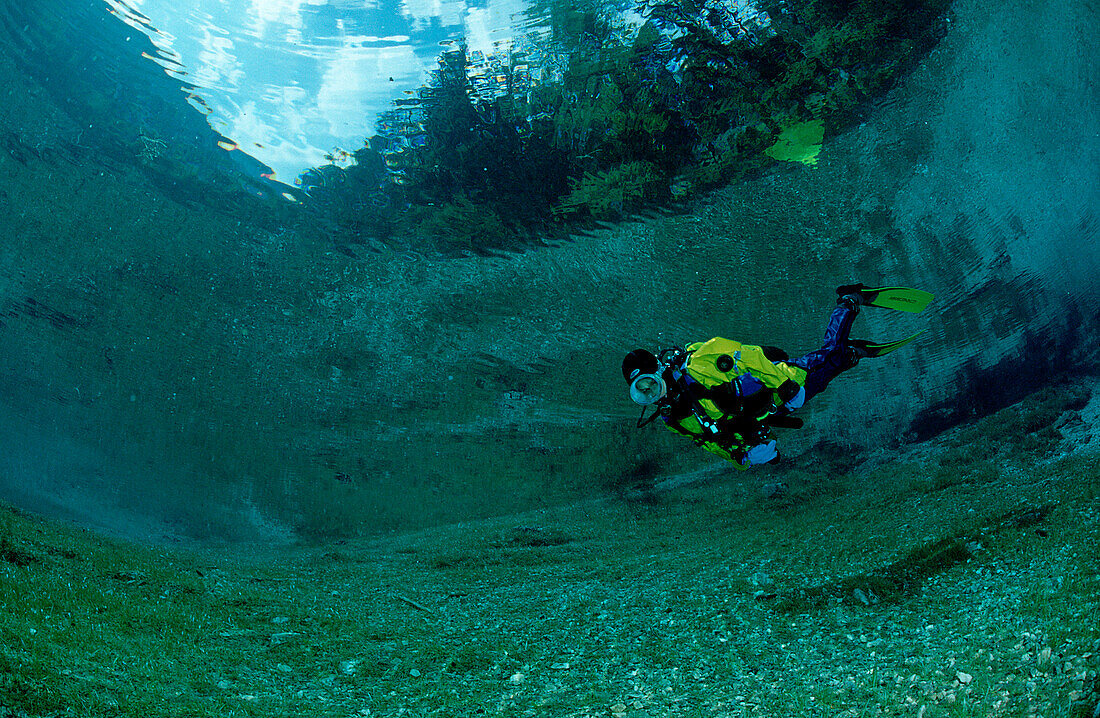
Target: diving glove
796,401
761,454
791,394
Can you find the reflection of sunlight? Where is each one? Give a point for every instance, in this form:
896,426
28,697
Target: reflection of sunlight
280,81
218,66
283,12
355,86
487,25
286,154
124,8
447,13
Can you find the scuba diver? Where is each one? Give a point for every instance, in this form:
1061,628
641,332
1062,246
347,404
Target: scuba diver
727,396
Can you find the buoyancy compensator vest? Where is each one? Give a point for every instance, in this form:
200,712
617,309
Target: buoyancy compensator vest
723,392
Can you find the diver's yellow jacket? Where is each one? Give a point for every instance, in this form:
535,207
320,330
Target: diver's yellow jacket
725,391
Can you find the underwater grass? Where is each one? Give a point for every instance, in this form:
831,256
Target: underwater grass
986,602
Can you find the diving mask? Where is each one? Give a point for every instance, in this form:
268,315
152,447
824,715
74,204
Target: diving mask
646,389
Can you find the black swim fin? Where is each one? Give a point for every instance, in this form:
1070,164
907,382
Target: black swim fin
902,299
875,349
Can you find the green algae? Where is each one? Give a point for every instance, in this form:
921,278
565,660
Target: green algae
609,194
799,143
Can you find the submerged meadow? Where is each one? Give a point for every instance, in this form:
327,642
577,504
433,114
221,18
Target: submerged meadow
959,579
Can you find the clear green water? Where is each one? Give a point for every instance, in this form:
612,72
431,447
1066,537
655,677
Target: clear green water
185,352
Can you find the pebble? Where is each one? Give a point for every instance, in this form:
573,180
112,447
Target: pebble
867,598
963,678
517,678
775,491
414,673
761,579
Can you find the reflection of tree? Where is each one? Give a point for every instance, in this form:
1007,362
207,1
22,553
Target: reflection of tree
600,119
523,151
484,150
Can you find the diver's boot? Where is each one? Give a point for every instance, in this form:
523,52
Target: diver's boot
851,300
856,352
845,289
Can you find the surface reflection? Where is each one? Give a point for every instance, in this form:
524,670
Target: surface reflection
296,82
